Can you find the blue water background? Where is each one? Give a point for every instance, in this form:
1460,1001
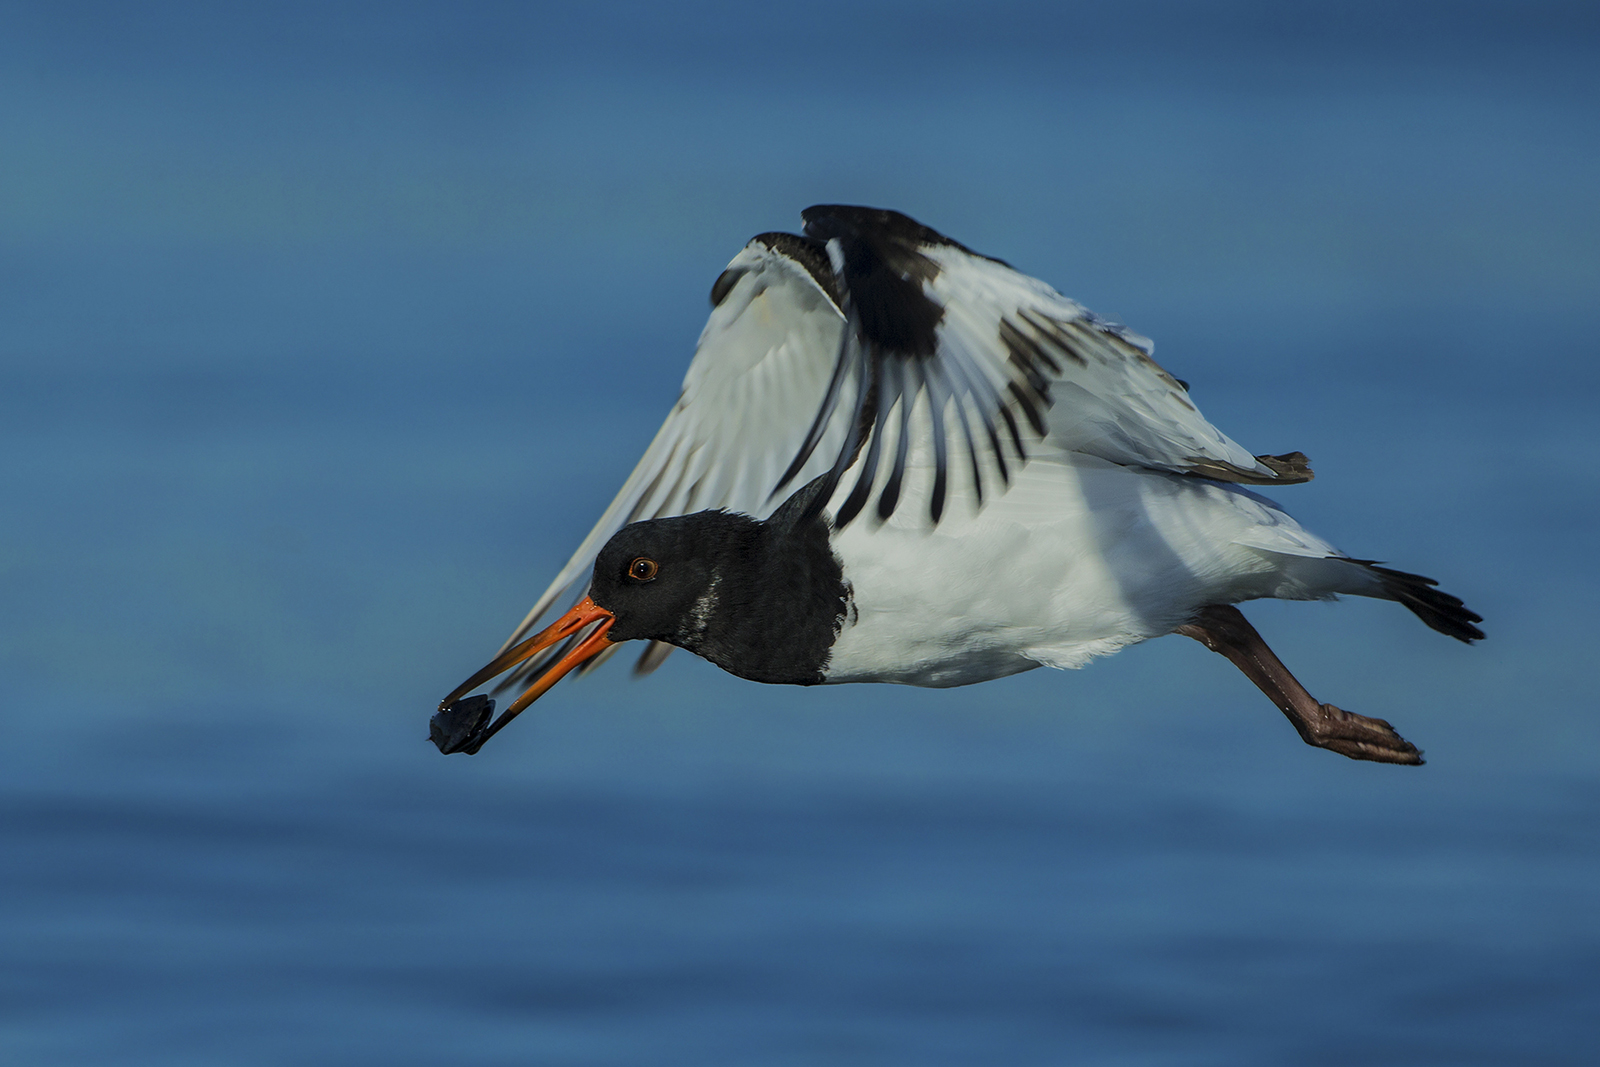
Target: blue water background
326,330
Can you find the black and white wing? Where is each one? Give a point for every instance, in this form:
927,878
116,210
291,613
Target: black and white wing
815,341
996,357
760,371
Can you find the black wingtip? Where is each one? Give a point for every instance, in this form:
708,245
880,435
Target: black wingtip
823,221
654,655
1440,610
1291,467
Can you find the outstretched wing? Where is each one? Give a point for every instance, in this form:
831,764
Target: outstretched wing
759,372
999,358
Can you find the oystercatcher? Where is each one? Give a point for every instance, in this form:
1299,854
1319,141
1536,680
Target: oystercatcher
897,460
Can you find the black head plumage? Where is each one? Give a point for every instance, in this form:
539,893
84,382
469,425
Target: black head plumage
763,600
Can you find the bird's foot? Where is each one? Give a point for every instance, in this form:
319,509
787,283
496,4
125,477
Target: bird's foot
1359,737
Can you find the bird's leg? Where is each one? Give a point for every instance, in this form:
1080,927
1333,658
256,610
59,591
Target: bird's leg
1223,628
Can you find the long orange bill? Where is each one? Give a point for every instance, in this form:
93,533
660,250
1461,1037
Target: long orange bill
583,613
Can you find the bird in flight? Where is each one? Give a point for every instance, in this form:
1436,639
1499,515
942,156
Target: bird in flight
895,459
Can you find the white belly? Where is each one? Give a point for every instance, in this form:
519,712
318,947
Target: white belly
1078,559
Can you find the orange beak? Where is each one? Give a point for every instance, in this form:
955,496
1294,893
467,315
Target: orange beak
583,613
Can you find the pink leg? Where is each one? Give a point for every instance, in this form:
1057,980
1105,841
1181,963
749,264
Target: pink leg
1223,628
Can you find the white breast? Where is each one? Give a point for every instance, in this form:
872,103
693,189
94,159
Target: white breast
1079,558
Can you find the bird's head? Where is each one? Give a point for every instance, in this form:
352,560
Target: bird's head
760,599
656,579
660,579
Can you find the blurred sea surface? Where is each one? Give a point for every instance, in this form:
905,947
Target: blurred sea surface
326,332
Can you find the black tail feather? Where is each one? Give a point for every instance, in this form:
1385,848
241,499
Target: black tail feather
1438,609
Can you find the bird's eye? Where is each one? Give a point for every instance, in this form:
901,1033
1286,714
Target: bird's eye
642,569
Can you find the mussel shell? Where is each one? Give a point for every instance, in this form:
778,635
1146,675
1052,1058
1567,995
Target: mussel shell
456,727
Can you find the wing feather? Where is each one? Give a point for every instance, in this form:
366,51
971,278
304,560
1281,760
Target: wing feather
762,366
1093,383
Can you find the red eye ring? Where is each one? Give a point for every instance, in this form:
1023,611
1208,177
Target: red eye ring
643,569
